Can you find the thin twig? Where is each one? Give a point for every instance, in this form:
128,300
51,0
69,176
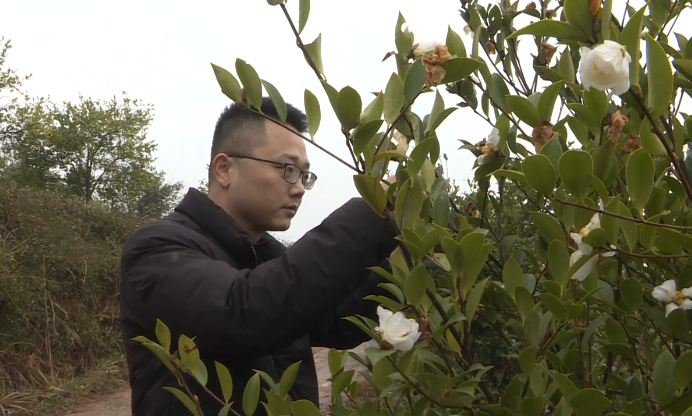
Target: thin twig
300,44
624,217
307,140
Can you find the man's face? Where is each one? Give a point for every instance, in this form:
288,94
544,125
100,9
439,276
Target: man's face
260,198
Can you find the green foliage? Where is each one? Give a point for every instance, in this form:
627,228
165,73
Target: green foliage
542,293
60,262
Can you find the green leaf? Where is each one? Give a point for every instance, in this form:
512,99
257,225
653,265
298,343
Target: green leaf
349,106
334,361
251,82
163,334
475,255
161,354
539,173
414,81
524,109
225,380
660,76
566,386
438,113
576,169
228,83
374,110
499,92
372,192
376,354
524,302
649,140
589,402
597,102
393,98
408,204
459,68
288,378
631,293
554,304
549,228
225,410
441,209
532,406
305,408
553,150
185,399
251,395
566,66
640,177
189,356
418,156
682,372
474,297
514,175
341,382
512,276
415,284
277,100
364,134
546,103
558,262
630,37
664,385
605,19
315,51
303,13
553,28
454,44
578,13
527,359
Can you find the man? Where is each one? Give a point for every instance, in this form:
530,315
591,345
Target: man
210,271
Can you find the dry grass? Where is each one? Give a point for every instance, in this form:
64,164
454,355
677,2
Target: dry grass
59,286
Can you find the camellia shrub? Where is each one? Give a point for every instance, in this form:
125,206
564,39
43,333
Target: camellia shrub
570,260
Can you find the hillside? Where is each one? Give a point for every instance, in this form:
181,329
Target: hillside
59,284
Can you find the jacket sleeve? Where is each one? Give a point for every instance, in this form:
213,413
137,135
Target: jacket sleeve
251,312
336,332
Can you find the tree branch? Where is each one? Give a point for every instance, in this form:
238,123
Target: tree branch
671,155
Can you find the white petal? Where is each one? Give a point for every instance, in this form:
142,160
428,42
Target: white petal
424,47
481,159
574,257
494,137
585,270
594,223
384,315
671,307
405,343
687,292
687,304
665,292
585,248
609,254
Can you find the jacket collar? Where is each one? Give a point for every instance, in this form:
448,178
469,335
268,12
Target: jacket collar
214,221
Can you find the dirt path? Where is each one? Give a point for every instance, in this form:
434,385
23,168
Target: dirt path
118,403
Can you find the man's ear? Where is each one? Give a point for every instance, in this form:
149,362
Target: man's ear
221,166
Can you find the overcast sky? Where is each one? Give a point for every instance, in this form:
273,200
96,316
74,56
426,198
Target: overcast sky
159,51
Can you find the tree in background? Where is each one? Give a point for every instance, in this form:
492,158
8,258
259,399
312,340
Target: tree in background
94,150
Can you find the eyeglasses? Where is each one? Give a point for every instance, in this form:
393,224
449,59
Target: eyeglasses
291,172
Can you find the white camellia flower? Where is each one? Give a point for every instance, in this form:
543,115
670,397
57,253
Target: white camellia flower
424,47
490,146
673,298
585,249
399,332
401,142
605,66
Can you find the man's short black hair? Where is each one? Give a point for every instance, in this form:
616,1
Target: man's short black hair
239,130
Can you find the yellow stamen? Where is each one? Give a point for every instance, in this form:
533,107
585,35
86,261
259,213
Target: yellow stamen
679,298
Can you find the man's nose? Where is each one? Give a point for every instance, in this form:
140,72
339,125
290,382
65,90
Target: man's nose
297,189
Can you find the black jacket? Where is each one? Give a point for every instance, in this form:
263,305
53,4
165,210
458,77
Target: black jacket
249,305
